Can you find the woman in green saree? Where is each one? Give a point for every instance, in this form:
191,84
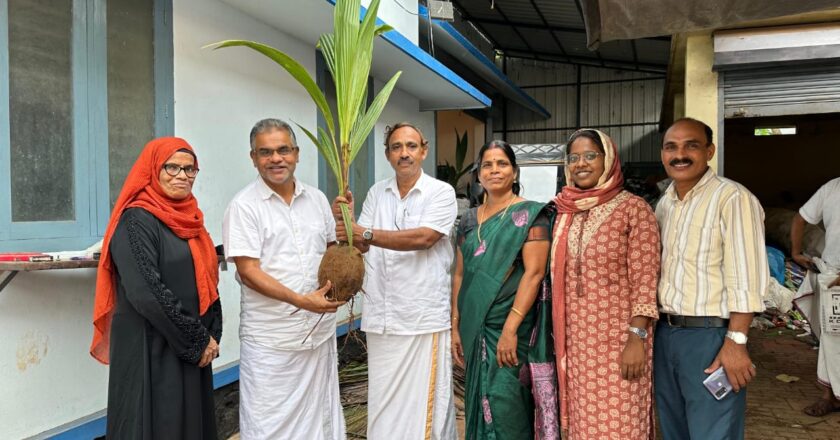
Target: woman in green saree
501,308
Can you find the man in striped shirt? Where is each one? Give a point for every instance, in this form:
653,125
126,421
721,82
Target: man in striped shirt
714,276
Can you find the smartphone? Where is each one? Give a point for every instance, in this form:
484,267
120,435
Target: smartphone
718,384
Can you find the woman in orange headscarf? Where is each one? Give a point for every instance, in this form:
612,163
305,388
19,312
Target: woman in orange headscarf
157,317
605,271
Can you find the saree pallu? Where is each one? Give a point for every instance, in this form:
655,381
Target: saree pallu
509,402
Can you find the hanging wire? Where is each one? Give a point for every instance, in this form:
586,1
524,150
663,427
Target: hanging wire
431,28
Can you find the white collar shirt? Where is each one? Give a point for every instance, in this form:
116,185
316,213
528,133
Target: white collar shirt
824,206
409,292
289,240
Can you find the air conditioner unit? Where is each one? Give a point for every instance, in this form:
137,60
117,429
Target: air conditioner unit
441,10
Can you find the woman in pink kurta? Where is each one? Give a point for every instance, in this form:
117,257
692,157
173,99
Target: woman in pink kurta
605,272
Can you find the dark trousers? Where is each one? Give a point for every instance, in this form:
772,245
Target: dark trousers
686,408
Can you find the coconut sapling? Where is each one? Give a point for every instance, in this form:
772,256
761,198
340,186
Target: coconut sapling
348,52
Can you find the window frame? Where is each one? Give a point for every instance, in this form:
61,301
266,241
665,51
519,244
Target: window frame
90,127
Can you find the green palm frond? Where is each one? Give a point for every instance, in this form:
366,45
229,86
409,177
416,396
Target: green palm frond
348,52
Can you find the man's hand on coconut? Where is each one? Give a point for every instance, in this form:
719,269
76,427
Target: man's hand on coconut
318,302
359,241
336,209
341,232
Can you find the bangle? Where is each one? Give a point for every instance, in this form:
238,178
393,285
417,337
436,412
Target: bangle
514,310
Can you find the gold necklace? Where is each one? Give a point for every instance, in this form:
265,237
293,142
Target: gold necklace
480,222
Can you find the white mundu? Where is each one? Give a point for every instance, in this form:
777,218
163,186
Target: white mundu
288,388
406,315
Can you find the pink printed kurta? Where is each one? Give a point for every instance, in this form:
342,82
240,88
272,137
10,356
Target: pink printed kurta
617,244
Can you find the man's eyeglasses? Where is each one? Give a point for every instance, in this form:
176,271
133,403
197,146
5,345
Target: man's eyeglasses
173,170
589,156
269,152
397,221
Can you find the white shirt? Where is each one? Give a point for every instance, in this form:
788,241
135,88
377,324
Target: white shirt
289,240
409,292
825,206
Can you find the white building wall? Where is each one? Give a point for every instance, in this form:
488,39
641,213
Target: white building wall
47,377
399,14
402,107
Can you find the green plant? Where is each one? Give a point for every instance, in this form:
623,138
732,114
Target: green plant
348,52
454,173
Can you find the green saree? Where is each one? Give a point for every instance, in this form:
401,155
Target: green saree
509,402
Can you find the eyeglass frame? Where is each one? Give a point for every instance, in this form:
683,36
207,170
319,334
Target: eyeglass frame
575,157
405,213
265,153
180,168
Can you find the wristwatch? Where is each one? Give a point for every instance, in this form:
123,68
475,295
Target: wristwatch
737,337
367,235
640,332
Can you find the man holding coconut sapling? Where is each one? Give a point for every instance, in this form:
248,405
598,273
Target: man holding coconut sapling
403,231
276,230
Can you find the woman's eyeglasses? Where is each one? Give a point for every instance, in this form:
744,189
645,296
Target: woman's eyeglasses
173,170
589,156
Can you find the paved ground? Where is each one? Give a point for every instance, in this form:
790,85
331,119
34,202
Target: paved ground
774,408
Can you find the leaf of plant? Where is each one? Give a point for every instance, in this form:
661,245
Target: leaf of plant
460,150
295,69
346,29
327,45
381,29
348,221
372,115
324,148
355,96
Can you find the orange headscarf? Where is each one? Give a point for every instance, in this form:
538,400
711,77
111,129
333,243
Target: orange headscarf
569,201
142,189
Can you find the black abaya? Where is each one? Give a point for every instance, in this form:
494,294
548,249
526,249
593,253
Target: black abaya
156,389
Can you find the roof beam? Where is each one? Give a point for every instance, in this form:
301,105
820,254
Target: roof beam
545,22
516,30
592,61
478,25
635,52
625,67
544,27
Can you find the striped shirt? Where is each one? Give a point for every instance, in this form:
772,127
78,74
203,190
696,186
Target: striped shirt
713,257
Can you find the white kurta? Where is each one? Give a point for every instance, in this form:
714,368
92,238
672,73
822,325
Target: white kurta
289,240
406,315
288,388
409,292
